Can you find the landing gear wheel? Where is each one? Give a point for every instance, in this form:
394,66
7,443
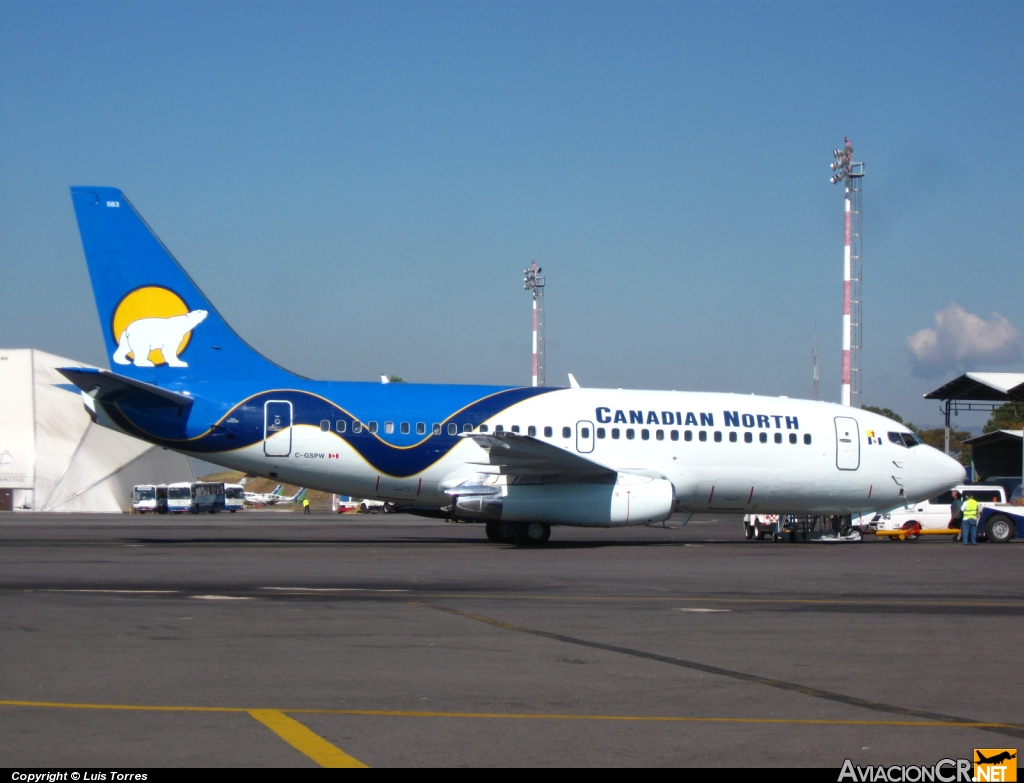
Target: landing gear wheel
501,532
532,533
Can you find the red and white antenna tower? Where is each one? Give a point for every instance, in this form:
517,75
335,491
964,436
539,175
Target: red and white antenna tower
534,283
851,174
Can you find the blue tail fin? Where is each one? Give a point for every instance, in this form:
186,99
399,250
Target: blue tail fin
158,326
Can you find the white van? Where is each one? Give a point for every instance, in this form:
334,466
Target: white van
234,497
179,497
933,514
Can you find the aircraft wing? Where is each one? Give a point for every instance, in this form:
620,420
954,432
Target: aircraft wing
522,455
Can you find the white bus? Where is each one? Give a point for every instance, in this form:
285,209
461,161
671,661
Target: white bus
234,497
179,497
149,499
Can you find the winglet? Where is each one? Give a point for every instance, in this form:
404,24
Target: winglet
573,383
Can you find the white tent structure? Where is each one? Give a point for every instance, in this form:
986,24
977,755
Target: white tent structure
53,458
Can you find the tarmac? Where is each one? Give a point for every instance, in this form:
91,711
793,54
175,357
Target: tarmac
277,639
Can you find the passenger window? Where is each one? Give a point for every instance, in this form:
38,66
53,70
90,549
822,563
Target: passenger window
778,437
453,428
421,428
585,432
659,434
645,434
548,432
600,432
372,427
748,437
404,428
531,431
763,437
675,434
499,428
515,428
733,437
435,429
566,432
389,428
718,437
630,434
356,427
467,427
615,433
807,439
792,437
341,425
325,426
688,435
702,436
483,428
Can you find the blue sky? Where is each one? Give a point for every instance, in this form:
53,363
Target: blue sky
358,186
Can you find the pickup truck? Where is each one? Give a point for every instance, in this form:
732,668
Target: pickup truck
932,516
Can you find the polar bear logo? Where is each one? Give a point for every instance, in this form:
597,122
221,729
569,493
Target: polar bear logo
156,334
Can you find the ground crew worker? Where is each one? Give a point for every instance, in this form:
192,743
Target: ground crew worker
956,514
305,505
969,527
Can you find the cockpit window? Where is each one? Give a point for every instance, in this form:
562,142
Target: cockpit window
905,439
911,440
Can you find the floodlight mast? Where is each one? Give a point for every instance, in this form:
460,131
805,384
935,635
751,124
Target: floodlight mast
851,174
534,283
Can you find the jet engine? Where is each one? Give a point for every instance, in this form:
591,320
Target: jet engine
631,500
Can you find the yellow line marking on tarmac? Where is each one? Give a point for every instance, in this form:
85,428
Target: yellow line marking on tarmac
517,715
305,741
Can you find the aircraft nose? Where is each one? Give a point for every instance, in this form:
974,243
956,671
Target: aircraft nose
944,471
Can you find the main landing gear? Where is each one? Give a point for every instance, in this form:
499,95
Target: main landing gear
522,533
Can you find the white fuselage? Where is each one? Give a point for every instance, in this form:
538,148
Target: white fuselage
722,452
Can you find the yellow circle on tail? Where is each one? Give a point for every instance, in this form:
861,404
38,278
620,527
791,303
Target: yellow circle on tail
150,301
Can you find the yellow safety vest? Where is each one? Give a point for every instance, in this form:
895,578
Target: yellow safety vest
970,508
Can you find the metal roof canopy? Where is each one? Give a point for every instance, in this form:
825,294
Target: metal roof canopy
982,386
980,391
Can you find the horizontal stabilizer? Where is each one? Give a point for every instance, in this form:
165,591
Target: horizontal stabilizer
522,455
107,386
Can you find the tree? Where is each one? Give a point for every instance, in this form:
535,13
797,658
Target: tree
396,379
958,450
1005,417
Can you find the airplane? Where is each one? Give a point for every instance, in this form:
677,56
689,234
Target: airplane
264,498
275,497
519,459
1004,756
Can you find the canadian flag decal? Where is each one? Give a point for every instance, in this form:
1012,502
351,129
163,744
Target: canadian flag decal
332,456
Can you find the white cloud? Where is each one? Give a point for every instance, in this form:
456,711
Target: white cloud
963,340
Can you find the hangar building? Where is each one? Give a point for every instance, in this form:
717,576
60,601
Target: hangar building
53,458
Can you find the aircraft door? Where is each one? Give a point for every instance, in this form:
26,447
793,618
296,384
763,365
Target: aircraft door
277,428
847,443
584,437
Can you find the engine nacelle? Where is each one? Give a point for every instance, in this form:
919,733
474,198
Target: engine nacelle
631,500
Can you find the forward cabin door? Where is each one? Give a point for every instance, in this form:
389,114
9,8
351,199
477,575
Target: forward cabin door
277,428
847,443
